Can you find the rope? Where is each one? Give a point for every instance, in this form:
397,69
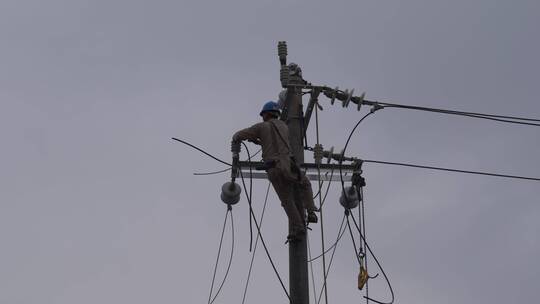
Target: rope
380,267
363,219
255,248
229,210
311,268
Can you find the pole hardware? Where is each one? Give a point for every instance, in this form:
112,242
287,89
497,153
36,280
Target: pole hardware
318,153
230,193
349,198
347,98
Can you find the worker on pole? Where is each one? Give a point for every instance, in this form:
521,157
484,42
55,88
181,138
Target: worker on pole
290,184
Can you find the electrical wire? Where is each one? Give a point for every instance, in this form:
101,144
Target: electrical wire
499,118
314,288
250,197
262,239
378,265
202,151
347,143
451,170
229,210
341,232
211,173
320,204
220,171
255,247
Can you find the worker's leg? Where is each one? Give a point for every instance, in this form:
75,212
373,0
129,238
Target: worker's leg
306,193
285,192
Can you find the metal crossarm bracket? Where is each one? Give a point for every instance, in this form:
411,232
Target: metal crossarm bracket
329,172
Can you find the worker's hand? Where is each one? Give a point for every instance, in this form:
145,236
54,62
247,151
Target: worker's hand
255,141
235,147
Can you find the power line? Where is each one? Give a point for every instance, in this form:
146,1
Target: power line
262,239
229,210
202,151
454,112
451,170
255,247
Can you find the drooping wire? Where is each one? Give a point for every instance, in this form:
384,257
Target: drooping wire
378,265
450,170
347,143
255,247
327,271
250,197
212,173
221,171
202,151
261,237
229,211
341,232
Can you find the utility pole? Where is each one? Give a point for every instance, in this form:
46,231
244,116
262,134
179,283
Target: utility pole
293,116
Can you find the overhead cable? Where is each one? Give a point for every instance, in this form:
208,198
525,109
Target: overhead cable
255,246
502,118
201,150
229,211
262,239
451,170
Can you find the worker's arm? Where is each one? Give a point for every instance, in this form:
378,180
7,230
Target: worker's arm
251,134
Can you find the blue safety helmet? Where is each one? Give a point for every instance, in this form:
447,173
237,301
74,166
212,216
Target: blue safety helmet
270,106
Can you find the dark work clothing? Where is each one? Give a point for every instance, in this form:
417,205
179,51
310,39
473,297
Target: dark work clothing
290,188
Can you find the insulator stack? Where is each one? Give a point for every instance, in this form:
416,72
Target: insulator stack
282,52
284,75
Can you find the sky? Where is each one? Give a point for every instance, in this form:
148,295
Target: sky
98,205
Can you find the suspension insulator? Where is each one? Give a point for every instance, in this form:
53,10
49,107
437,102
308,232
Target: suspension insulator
349,198
282,52
230,193
235,147
284,75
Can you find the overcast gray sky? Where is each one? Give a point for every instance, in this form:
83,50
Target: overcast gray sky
98,205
